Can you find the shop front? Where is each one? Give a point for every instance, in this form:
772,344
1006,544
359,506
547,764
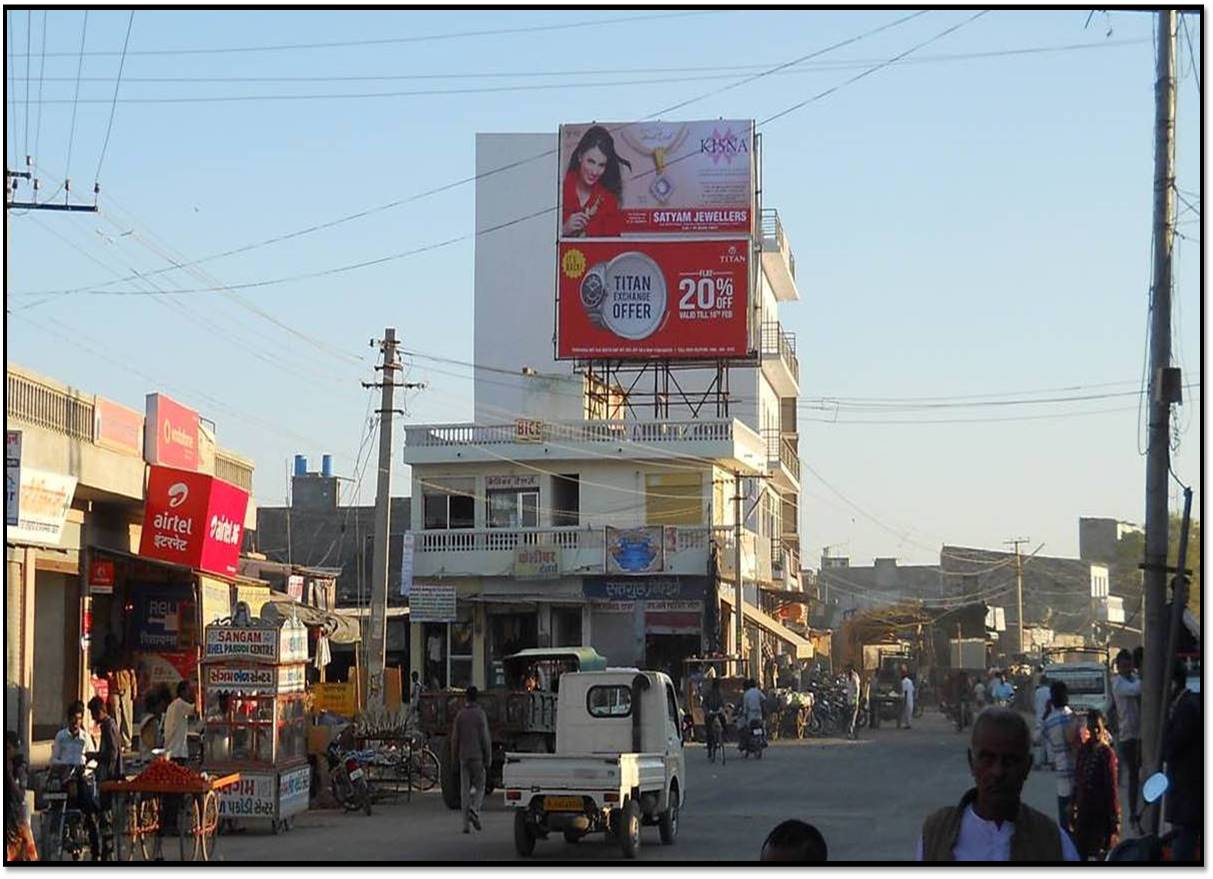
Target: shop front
652,621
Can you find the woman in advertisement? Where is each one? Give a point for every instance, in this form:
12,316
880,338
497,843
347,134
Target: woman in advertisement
593,188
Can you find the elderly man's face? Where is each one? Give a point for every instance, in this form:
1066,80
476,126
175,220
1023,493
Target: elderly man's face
999,760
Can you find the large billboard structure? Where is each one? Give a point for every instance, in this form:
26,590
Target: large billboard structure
655,252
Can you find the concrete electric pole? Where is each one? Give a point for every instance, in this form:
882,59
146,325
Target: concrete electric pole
1163,390
1018,585
738,598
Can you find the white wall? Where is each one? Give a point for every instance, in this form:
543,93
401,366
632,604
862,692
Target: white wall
515,284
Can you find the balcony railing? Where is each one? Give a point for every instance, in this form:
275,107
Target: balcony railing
777,342
639,432
46,406
772,231
232,468
781,448
506,539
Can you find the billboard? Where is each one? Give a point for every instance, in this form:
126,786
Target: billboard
653,299
193,520
170,433
656,178
635,550
43,501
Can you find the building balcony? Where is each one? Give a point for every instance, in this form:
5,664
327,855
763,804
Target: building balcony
779,359
778,261
783,459
785,565
495,552
755,555
729,442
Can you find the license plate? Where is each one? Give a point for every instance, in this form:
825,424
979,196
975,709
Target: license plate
356,775
563,804
56,796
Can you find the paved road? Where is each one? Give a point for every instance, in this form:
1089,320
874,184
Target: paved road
868,798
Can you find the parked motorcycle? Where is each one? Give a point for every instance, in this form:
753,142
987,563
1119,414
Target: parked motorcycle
347,775
1149,848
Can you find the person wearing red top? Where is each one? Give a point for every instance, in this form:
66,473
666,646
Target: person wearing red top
593,187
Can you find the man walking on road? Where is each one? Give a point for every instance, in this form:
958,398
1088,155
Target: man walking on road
472,747
853,686
1040,703
907,698
1126,693
991,823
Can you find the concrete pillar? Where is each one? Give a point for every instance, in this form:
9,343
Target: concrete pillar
587,634
638,633
416,650
479,647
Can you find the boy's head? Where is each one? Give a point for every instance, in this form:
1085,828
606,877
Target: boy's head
795,842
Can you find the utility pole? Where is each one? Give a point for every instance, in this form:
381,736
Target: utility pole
1158,463
1018,584
738,599
377,642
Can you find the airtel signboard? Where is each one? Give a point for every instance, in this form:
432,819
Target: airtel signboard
170,433
193,520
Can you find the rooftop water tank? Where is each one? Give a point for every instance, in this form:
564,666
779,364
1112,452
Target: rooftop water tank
326,466
300,465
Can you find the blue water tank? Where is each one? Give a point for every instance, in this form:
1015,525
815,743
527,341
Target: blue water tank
300,465
326,466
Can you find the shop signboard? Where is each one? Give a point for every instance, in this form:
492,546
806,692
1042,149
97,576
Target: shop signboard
163,617
253,796
257,643
170,435
193,520
540,562
408,548
256,597
635,550
432,603
511,483
294,790
653,299
168,667
658,588
673,178
101,576
246,680
294,587
292,642
117,427
216,600
338,698
12,477
43,501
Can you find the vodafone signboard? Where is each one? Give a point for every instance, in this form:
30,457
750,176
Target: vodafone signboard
653,299
170,433
194,520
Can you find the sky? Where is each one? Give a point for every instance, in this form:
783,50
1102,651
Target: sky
970,224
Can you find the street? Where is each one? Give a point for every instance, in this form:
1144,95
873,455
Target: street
868,798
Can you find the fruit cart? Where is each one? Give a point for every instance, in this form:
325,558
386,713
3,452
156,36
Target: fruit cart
141,803
255,718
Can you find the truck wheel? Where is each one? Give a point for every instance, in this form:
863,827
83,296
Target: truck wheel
450,783
629,830
668,822
524,838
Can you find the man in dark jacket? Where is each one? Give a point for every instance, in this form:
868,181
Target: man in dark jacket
1182,753
991,823
472,748
109,764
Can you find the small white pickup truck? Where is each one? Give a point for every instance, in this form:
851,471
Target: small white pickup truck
618,763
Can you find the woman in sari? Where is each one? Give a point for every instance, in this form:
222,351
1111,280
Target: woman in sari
1097,803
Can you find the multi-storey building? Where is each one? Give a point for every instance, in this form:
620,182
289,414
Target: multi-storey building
576,509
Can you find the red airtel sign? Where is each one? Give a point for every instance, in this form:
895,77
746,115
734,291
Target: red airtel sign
653,299
170,433
193,520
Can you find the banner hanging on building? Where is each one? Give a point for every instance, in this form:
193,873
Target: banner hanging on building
432,603
117,427
536,562
12,477
43,500
408,549
646,178
170,433
653,299
193,520
635,550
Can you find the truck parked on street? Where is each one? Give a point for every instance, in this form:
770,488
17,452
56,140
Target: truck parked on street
618,764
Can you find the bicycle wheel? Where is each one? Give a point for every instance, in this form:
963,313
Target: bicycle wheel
207,825
189,820
425,769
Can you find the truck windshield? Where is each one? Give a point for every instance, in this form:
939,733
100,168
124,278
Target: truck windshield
1083,683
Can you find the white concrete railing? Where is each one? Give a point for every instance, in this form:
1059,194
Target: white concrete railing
45,405
640,432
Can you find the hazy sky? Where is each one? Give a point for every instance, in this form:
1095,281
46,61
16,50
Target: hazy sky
971,224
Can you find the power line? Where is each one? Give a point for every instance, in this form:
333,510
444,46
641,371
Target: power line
838,405
41,71
72,135
12,91
114,104
385,41
1183,20
28,25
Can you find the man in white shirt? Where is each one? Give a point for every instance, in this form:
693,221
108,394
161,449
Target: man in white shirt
991,823
1040,701
73,741
853,686
176,723
907,698
1126,692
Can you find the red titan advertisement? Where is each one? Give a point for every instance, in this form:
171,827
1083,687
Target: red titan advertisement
170,433
653,299
194,520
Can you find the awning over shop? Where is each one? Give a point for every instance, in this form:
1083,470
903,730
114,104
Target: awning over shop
804,648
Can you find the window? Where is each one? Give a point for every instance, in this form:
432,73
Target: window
612,701
448,503
672,705
513,509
